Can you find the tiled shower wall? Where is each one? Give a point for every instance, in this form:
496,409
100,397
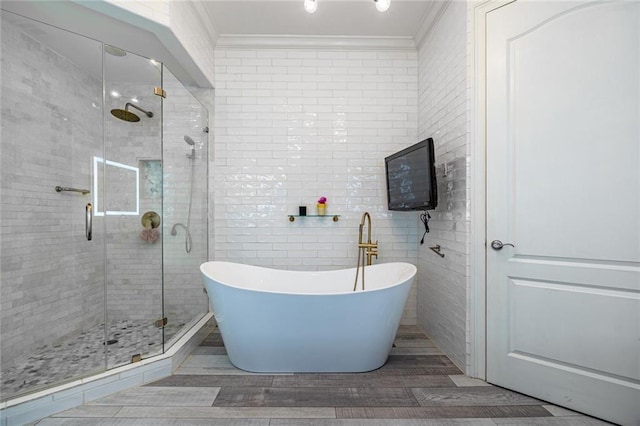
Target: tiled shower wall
52,277
292,125
444,115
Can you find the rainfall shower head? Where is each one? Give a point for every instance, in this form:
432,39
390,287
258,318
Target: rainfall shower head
188,140
126,115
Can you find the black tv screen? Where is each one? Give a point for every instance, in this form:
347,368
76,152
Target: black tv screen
411,178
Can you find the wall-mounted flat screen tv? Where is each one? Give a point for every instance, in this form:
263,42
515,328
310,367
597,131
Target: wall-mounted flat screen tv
411,178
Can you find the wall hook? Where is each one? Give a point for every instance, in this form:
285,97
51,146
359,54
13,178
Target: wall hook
436,250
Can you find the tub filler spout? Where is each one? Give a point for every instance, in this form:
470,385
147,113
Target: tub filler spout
367,249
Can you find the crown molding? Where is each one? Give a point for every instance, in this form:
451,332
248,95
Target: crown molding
430,20
206,20
315,42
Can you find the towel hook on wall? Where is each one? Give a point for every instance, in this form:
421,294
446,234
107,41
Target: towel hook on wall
436,250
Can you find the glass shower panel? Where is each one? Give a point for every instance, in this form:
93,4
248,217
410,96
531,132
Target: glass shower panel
52,276
131,205
185,153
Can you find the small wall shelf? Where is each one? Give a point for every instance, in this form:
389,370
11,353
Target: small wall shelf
336,217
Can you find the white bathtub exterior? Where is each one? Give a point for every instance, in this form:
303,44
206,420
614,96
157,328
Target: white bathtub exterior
290,321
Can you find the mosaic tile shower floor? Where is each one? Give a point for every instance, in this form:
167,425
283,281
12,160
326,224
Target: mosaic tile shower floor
82,355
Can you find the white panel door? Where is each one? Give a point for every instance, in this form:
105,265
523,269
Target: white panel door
563,186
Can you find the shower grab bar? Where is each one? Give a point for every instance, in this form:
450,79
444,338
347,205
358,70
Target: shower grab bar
64,188
88,222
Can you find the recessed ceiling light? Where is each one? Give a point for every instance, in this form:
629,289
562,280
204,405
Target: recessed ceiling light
382,5
310,5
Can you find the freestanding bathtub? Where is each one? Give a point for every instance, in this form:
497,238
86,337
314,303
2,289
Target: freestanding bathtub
289,321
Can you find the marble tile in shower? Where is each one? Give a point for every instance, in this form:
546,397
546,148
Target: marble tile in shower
81,352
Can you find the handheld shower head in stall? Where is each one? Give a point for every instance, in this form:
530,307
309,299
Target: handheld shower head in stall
192,144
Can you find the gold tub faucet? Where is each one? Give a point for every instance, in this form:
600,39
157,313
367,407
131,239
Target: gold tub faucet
370,249
367,249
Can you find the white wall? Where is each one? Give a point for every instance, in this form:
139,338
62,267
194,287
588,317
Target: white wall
444,115
292,125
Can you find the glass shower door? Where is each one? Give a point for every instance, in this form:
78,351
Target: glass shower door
52,275
130,182
185,163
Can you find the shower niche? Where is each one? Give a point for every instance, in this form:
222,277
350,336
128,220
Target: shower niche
88,115
150,178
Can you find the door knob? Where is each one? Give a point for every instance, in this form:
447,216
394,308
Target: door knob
497,244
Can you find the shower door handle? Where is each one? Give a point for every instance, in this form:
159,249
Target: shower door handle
88,222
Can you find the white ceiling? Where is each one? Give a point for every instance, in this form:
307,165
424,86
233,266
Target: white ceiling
358,18
405,19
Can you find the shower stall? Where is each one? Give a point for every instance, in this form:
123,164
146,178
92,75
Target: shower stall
95,175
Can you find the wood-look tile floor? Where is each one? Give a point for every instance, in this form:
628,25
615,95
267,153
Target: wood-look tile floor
417,386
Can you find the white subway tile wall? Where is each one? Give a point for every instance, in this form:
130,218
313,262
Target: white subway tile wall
292,125
444,100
